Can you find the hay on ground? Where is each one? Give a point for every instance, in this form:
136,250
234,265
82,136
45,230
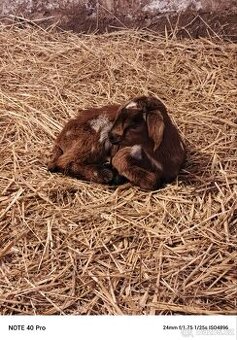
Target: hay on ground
71,247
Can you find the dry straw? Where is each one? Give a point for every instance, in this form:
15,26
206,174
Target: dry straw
71,247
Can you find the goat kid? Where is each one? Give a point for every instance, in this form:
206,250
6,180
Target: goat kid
83,149
150,149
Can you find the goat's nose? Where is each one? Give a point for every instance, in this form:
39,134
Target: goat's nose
114,138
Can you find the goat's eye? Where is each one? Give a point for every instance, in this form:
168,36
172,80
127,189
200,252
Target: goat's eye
133,126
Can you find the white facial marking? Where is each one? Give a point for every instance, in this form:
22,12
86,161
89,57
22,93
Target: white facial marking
103,125
136,151
131,105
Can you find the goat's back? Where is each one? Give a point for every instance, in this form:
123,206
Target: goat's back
86,128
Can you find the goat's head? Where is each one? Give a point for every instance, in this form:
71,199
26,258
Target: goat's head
138,119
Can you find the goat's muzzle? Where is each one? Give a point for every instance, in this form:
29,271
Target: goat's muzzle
114,138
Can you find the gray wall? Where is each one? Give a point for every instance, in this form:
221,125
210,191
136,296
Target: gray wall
191,16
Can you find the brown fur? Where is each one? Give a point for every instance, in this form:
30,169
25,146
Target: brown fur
78,151
144,122
140,140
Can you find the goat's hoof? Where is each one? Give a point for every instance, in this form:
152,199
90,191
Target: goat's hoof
118,180
106,175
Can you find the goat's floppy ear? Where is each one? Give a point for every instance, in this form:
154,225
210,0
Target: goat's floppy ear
154,110
155,127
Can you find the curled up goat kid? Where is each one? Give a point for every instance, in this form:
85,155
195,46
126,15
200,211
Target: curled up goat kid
136,142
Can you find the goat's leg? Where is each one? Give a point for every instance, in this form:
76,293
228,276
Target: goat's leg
133,167
66,163
91,172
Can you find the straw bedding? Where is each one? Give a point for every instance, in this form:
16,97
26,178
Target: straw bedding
71,247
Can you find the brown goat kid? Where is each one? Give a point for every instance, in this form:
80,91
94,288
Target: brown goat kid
151,151
82,149
138,139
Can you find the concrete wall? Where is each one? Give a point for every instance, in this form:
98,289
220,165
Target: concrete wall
188,16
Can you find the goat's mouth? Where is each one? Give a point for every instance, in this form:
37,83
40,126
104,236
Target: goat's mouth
115,142
114,139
